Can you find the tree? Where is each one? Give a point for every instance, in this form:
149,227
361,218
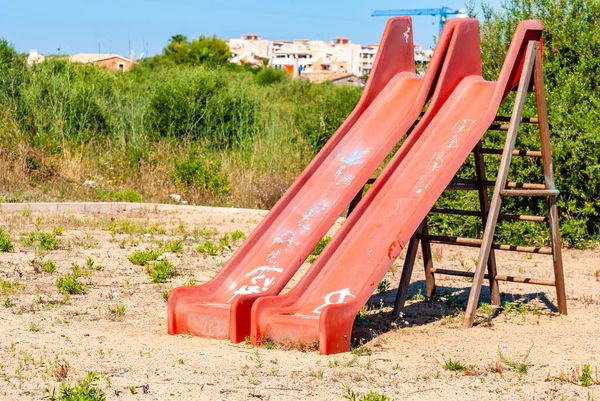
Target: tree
209,50
178,49
571,45
204,50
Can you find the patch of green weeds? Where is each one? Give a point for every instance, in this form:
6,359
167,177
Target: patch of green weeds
84,390
383,286
586,378
520,367
8,303
208,248
418,296
6,244
90,264
6,287
456,366
371,396
174,246
44,241
237,236
359,349
160,271
48,266
116,310
143,257
58,230
69,283
318,249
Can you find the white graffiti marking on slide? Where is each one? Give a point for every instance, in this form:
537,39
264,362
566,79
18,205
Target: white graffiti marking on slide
463,125
423,182
259,281
452,143
335,297
407,34
437,161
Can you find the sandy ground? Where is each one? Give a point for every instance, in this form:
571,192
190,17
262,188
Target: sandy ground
40,332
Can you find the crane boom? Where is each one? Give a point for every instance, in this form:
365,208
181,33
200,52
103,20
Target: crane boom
443,12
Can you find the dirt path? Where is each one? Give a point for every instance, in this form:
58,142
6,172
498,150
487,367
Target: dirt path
44,339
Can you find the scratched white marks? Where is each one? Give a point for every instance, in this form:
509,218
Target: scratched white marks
401,205
313,212
353,159
261,279
452,143
346,180
288,238
407,34
423,182
335,297
437,161
463,125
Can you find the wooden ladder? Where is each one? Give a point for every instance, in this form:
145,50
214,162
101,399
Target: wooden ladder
490,210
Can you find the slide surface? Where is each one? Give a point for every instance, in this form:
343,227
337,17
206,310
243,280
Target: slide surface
392,101
323,305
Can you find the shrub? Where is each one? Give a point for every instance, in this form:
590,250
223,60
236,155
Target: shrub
203,173
269,76
128,195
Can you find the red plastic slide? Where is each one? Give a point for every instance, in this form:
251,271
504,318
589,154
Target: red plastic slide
323,305
391,103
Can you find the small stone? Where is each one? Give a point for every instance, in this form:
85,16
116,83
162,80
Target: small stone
175,197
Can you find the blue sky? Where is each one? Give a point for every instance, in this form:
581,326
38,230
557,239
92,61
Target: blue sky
105,26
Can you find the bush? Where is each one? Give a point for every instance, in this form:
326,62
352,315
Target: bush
204,174
321,109
269,76
208,105
128,195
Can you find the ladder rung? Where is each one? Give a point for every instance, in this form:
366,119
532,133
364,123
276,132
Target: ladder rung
528,153
461,187
498,127
528,120
529,192
519,185
477,213
475,242
499,277
510,184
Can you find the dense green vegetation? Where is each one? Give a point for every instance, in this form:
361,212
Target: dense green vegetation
187,122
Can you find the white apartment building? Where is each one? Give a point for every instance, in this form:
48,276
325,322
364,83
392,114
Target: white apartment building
304,56
250,49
